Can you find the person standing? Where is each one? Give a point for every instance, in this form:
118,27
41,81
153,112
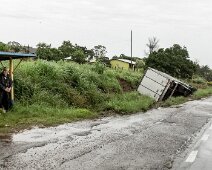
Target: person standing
5,90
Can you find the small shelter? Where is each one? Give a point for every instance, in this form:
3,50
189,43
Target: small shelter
8,56
122,64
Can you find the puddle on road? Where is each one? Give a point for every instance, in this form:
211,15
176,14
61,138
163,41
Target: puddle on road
176,106
85,133
97,123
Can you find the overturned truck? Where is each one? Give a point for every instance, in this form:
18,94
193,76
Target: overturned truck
161,86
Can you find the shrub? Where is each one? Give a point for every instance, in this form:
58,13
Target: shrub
199,80
99,68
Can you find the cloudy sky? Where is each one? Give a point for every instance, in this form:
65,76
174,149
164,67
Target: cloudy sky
108,22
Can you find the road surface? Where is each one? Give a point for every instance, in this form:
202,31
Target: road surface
158,139
200,156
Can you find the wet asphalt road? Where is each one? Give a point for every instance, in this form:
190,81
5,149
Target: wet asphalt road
157,139
200,156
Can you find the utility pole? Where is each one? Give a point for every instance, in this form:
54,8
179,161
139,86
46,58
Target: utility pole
131,47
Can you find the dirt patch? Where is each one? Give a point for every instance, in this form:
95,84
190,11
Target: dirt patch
126,86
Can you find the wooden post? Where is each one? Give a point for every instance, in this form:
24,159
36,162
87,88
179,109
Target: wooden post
11,76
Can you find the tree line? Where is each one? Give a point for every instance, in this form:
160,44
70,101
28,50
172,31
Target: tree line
79,54
13,46
174,60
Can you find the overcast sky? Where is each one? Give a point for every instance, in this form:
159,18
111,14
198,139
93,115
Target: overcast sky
108,22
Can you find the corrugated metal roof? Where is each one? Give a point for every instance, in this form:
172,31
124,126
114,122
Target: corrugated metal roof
126,61
8,55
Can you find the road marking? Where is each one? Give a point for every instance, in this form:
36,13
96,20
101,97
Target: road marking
192,156
205,137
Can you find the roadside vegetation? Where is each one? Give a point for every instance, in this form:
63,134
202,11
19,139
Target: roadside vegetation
51,91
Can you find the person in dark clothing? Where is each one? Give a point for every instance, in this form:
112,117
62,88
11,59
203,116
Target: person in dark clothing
5,90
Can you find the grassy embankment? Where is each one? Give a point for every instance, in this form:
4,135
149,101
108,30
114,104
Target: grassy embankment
49,93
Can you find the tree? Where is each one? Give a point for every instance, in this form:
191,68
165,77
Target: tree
67,48
14,46
89,54
174,61
115,57
44,51
105,61
205,72
56,54
152,45
139,63
99,51
4,47
78,56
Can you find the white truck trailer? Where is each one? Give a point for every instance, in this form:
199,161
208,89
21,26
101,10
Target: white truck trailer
161,86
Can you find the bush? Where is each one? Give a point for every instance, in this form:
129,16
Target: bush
199,80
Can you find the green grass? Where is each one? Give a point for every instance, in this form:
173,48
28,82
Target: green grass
200,93
129,103
23,117
173,101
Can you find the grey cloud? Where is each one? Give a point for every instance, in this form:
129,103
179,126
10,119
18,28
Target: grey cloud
110,21
19,16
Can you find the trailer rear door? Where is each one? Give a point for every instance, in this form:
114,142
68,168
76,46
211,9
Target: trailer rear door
153,84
